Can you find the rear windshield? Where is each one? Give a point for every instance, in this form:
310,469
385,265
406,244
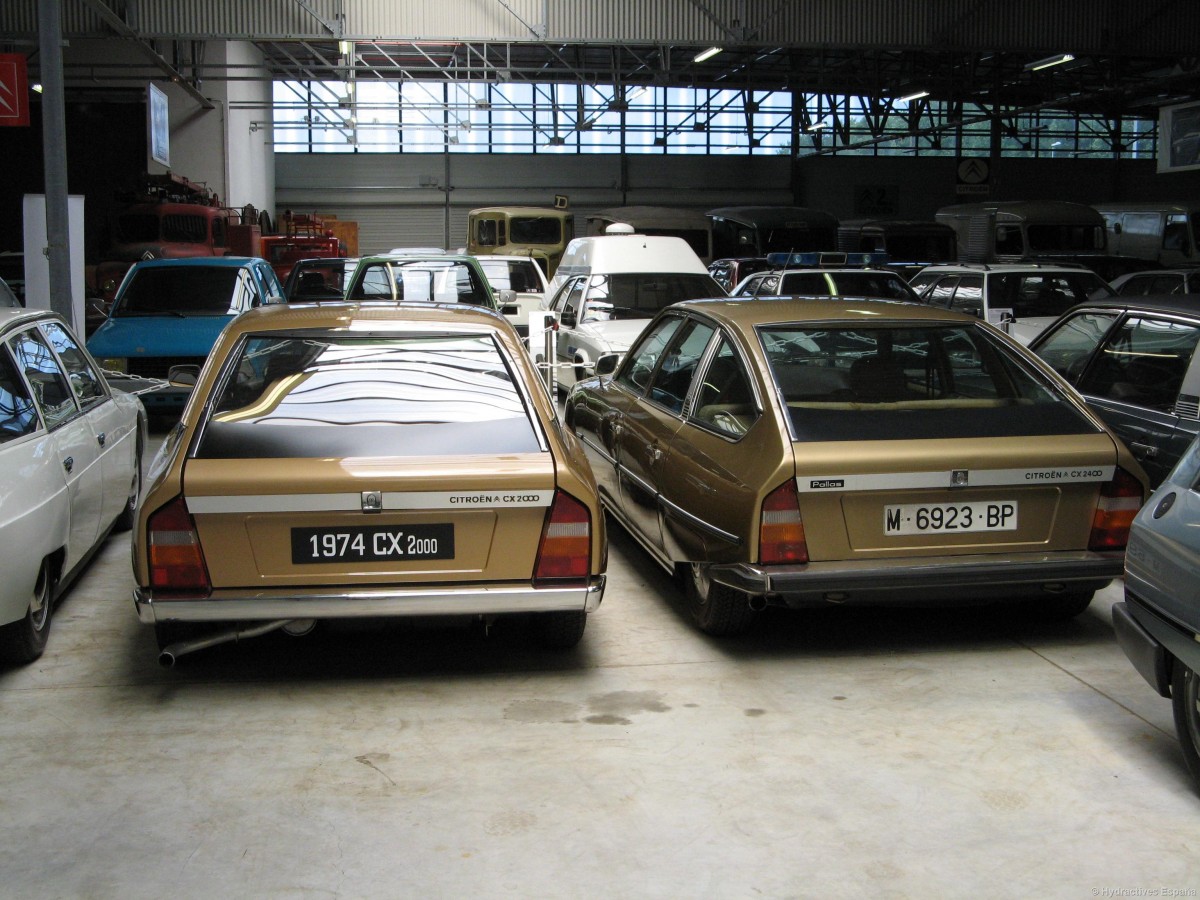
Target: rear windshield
307,395
641,295
911,381
535,230
519,275
850,284
1043,294
420,280
183,290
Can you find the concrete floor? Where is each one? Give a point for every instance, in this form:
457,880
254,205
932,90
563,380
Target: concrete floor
842,752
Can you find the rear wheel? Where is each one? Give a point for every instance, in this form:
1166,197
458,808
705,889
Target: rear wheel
719,610
24,640
1185,701
126,518
560,630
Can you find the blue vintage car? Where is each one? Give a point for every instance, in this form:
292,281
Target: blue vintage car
168,312
1158,625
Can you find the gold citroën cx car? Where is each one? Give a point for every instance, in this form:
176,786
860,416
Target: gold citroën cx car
367,460
809,452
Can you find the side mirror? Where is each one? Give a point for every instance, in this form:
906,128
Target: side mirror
507,297
567,317
183,376
607,364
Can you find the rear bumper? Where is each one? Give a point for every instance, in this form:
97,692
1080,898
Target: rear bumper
428,600
1151,641
936,578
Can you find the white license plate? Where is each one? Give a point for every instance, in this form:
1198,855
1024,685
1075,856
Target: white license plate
938,518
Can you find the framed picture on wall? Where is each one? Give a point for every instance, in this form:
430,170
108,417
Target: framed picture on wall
1179,138
159,125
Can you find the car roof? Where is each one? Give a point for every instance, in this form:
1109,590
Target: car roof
409,258
975,268
1173,304
341,315
748,313
11,317
200,261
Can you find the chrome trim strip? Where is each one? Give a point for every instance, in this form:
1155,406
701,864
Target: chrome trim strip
679,512
392,501
975,478
250,605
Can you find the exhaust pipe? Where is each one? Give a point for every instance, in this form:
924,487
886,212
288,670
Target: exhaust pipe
758,602
172,652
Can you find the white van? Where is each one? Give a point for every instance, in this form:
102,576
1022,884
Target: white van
608,286
1165,233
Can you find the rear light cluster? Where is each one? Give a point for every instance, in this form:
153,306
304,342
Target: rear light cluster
781,534
176,559
565,551
1120,500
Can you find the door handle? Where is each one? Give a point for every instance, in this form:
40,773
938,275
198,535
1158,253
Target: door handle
101,438
655,454
69,464
1143,451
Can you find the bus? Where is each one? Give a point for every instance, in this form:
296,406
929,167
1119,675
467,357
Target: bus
667,221
759,230
541,233
1163,233
1015,230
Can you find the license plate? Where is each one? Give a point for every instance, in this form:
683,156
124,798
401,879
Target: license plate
938,518
372,543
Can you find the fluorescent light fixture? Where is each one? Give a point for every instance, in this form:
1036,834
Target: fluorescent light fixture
639,92
36,87
1049,61
706,54
346,48
817,126
917,95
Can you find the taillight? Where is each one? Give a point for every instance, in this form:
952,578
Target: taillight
176,560
1119,502
781,534
566,547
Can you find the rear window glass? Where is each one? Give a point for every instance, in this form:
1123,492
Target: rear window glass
308,395
1046,295
421,281
905,382
852,284
196,290
641,295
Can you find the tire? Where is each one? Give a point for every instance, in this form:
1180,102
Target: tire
718,610
1185,702
129,514
559,630
24,641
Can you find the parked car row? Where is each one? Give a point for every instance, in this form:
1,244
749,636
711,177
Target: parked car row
794,452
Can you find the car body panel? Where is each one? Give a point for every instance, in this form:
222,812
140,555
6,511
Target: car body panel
1134,361
61,488
692,492
252,495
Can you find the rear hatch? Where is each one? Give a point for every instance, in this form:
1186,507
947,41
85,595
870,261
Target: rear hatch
961,496
359,457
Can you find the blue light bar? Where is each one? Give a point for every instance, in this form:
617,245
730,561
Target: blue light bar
825,260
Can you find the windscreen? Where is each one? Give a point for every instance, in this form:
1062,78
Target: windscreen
640,295
309,395
847,284
910,381
535,230
182,290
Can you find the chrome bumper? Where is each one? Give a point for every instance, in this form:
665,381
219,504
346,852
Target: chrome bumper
244,606
923,578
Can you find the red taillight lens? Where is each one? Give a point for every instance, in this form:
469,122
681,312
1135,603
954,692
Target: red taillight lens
566,547
176,560
1119,502
781,534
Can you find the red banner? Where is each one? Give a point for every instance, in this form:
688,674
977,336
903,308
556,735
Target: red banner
14,90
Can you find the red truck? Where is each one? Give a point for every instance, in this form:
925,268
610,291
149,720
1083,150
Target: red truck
301,236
